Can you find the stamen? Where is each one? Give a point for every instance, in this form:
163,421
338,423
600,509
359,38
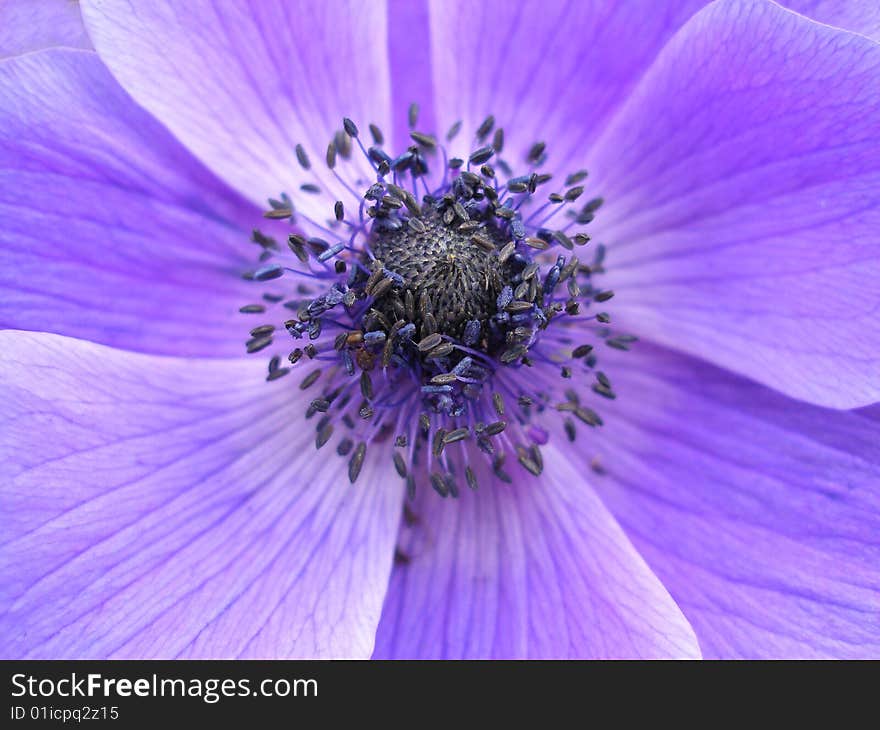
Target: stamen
451,303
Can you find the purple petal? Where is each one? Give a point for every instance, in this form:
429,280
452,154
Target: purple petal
160,507
742,181
536,569
242,83
548,70
760,514
855,15
31,25
110,230
409,35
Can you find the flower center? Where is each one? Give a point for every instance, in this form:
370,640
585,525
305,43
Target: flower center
449,276
429,313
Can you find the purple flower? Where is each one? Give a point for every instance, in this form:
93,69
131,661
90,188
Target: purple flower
160,499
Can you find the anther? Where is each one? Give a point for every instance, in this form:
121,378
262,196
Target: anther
356,462
350,127
435,301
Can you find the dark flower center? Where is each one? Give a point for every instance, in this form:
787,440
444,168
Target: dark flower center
429,313
450,276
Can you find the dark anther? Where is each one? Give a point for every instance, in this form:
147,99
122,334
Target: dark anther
350,127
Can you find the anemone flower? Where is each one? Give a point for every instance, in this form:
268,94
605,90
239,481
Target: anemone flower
410,218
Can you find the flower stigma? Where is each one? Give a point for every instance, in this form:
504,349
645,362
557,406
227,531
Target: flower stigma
443,312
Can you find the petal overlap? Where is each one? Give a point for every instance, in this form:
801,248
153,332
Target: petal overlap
109,229
242,83
32,25
760,514
535,569
742,188
855,15
162,507
548,70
